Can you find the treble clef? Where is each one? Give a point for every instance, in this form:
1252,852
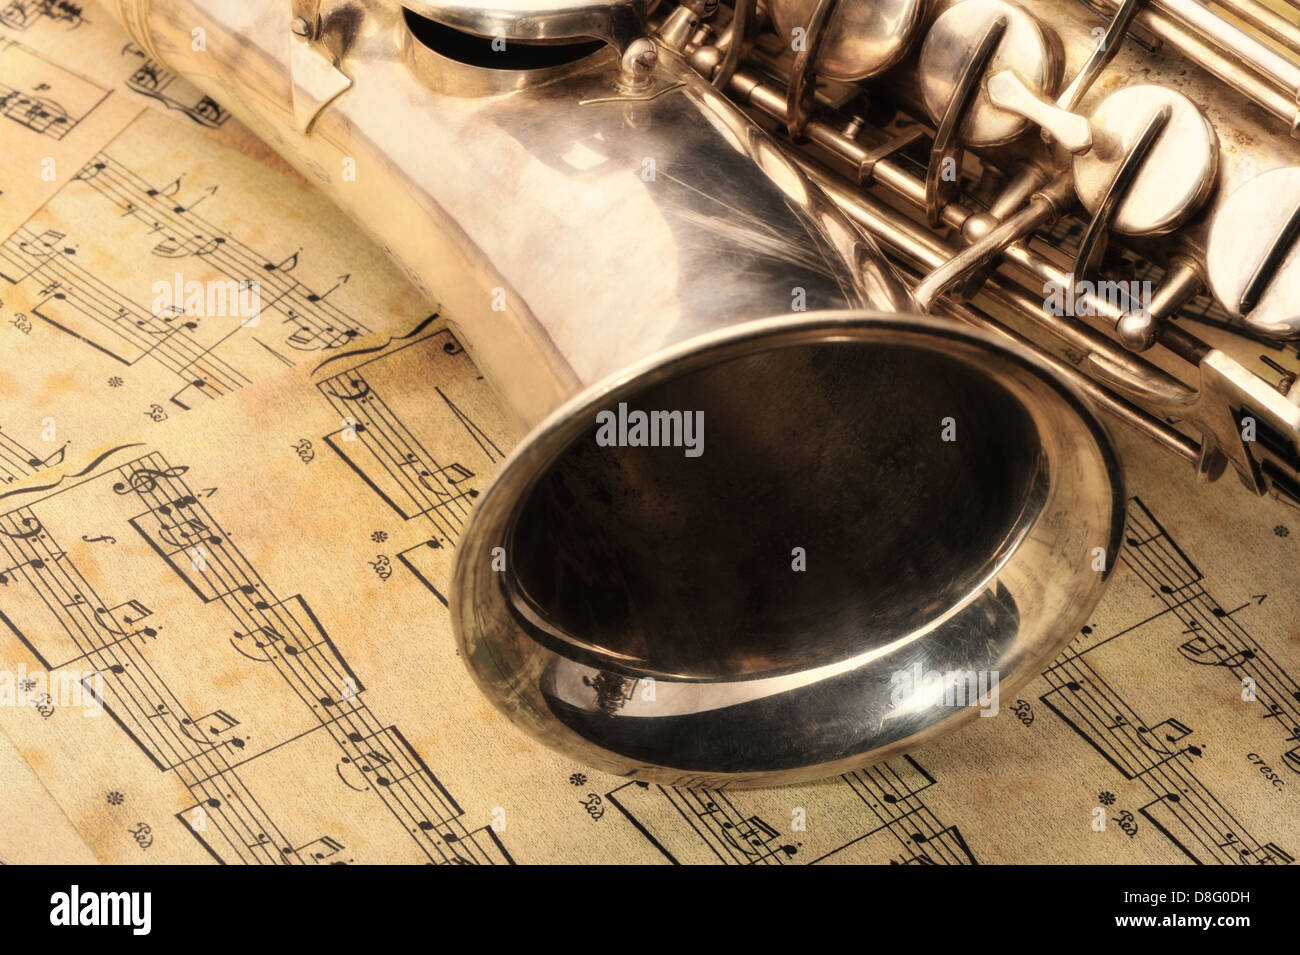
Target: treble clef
145,480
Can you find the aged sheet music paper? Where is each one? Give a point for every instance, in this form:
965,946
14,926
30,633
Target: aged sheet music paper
257,581
132,227
33,830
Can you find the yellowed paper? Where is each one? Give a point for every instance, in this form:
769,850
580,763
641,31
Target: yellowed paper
33,829
157,258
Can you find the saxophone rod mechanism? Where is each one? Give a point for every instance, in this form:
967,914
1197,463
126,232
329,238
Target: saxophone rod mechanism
1145,376
1272,24
1146,425
1247,64
767,98
932,256
928,254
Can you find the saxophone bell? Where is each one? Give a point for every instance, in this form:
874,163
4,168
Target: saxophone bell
891,519
768,523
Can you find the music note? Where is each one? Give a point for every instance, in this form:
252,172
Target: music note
222,721
8,574
249,590
168,190
1270,854
187,532
217,723
754,831
200,383
131,612
287,265
310,339
49,240
264,637
1171,730
1200,651
320,849
372,761
55,458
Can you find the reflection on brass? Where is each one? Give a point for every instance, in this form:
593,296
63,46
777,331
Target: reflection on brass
901,463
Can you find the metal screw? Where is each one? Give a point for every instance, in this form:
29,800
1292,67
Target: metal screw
637,67
1288,378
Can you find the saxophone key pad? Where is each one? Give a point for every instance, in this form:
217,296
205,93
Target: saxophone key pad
1253,256
863,37
1176,176
1024,48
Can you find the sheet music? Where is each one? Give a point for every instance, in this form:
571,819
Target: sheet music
155,256
255,580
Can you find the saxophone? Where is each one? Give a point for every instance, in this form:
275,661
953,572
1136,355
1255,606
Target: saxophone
815,311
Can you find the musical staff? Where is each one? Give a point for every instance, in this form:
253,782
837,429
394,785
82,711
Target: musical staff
1162,755
78,303
21,14
216,752
311,322
196,335
151,79
875,815
380,445
39,94
1215,636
